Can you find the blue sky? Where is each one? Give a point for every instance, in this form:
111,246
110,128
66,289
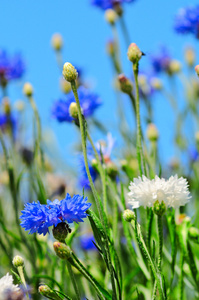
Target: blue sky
27,27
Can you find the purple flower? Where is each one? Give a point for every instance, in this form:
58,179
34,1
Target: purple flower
161,60
8,122
187,20
86,241
106,4
88,102
38,217
11,67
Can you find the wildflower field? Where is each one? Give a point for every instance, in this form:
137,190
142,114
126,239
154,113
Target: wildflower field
115,219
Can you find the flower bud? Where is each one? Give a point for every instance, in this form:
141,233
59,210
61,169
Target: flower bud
6,105
18,261
48,292
73,111
193,233
190,56
112,170
28,89
134,53
65,86
61,231
62,250
197,69
69,72
159,208
126,85
174,67
156,83
197,137
152,132
128,215
110,16
94,163
19,105
57,42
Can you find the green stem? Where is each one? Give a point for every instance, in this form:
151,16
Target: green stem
102,173
38,123
72,277
21,274
160,241
181,275
139,134
97,199
125,31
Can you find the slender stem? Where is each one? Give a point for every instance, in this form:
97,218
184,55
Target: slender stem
97,199
181,275
72,277
160,241
139,134
102,173
125,31
38,122
21,274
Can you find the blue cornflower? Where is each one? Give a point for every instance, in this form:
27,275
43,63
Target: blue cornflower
193,153
38,217
187,20
86,241
161,60
83,179
11,67
88,102
106,4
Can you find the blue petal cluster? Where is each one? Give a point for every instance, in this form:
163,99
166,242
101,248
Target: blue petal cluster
83,178
193,153
11,67
38,217
86,241
160,61
88,102
106,4
187,20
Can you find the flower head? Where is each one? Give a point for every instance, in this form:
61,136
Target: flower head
161,60
7,286
145,192
187,20
106,4
11,67
88,102
38,217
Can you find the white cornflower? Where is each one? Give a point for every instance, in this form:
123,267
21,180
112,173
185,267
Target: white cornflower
7,286
145,192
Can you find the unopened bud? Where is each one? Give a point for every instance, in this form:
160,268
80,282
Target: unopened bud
69,72
48,292
174,67
18,261
19,105
110,16
94,163
159,208
134,53
126,85
61,231
197,137
197,69
156,83
152,132
112,169
73,111
57,42
128,215
65,86
193,233
190,56
62,250
28,89
6,105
